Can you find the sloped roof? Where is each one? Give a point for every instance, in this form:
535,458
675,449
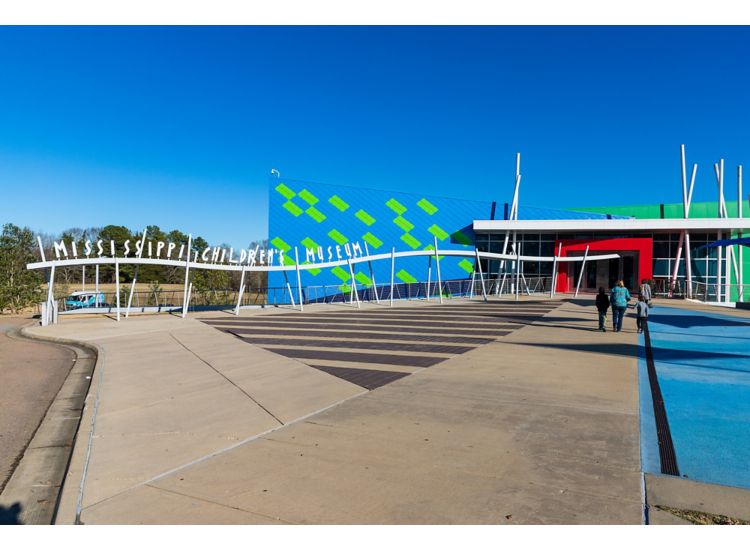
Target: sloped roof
536,213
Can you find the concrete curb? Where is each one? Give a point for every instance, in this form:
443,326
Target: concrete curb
37,482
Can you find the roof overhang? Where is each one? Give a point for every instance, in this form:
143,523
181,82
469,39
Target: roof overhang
602,225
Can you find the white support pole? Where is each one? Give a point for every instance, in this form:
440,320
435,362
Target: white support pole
354,284
299,280
117,286
518,273
437,265
135,275
242,291
741,277
51,286
83,278
481,275
96,284
393,269
372,275
583,267
429,276
553,283
720,251
187,276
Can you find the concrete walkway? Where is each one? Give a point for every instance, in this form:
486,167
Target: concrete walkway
197,426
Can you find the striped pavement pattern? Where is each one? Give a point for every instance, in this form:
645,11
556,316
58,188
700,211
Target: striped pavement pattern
374,347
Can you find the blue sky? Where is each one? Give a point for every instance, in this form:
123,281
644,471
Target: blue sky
181,126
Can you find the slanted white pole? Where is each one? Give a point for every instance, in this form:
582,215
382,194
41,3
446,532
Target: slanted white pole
189,295
688,259
135,275
117,286
372,275
51,287
393,269
481,276
242,291
741,278
299,279
187,276
583,267
719,169
289,288
677,262
437,265
354,283
471,286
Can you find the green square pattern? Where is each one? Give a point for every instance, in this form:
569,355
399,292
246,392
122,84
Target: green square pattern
338,202
405,276
411,241
425,205
404,224
466,265
308,197
281,244
365,218
315,214
284,191
292,208
436,230
396,206
372,240
337,237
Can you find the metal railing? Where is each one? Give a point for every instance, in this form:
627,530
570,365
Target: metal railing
720,293
156,300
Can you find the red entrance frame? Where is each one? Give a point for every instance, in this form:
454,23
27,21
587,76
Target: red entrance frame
644,246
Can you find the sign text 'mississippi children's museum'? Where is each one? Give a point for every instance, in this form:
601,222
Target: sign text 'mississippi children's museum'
211,254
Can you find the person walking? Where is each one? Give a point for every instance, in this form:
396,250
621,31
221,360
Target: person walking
641,313
602,304
645,291
619,298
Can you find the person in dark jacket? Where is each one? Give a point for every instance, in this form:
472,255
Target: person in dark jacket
602,304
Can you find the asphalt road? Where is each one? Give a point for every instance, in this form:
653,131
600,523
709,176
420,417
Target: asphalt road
31,374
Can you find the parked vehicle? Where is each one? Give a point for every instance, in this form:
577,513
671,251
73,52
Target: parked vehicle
82,299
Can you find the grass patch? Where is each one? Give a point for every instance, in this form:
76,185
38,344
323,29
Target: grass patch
702,518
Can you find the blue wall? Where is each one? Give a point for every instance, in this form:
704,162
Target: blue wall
308,215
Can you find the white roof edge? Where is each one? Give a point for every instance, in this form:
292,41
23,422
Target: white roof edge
671,224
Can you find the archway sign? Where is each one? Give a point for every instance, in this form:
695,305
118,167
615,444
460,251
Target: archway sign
163,253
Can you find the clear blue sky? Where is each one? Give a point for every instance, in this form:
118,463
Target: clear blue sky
180,127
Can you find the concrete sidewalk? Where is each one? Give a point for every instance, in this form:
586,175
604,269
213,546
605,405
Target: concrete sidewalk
539,426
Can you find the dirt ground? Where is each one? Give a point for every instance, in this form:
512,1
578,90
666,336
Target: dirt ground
32,374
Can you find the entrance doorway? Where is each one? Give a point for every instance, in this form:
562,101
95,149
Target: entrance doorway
606,273
633,265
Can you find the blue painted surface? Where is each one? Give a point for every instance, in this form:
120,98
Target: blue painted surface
703,364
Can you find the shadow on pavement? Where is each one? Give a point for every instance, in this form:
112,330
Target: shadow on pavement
11,515
695,320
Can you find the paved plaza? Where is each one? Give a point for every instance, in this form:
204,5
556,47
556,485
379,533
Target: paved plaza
469,412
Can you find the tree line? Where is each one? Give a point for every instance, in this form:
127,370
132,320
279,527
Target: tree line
20,288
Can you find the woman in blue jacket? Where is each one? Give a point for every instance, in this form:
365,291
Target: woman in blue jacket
619,298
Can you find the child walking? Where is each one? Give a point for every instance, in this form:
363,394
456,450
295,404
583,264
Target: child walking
641,312
602,305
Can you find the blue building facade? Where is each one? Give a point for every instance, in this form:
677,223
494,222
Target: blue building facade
309,215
